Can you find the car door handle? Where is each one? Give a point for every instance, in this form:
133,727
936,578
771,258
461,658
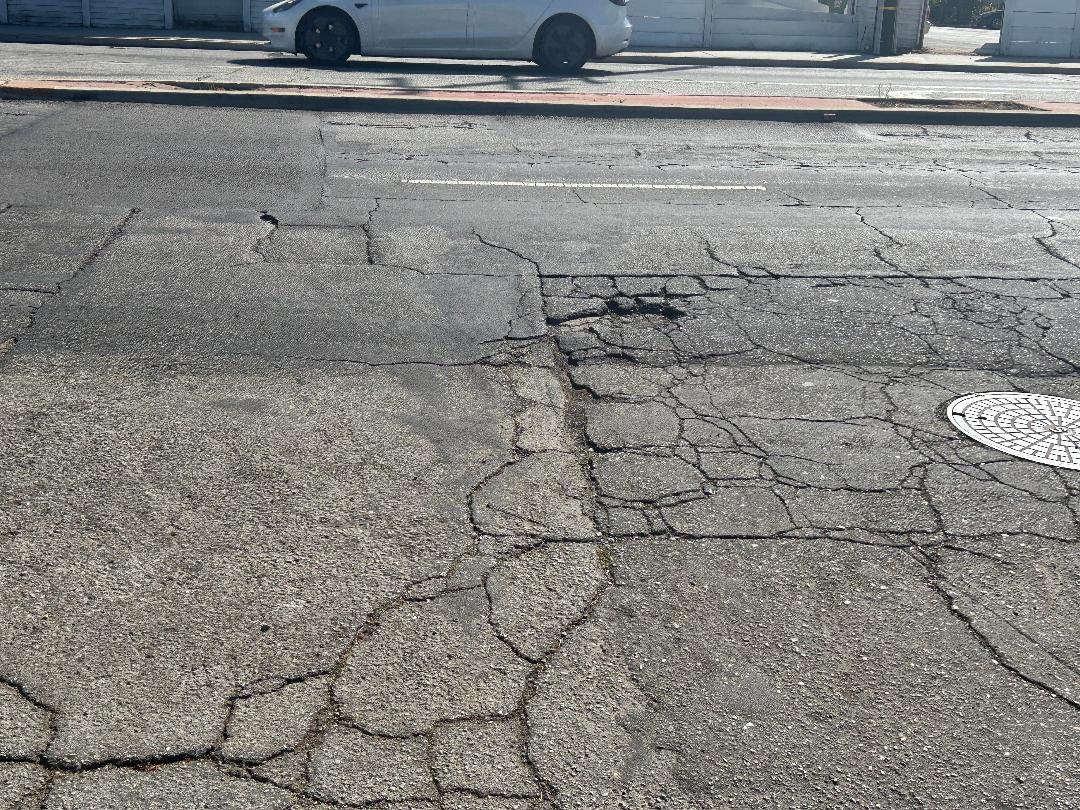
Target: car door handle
361,5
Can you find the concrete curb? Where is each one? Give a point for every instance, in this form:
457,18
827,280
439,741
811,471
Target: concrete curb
587,105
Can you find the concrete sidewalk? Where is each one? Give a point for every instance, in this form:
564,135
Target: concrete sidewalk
133,37
949,62
241,41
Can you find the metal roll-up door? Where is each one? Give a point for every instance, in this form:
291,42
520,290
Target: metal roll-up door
209,14
127,13
45,12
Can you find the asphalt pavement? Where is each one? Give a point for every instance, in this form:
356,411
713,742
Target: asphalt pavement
475,463
27,61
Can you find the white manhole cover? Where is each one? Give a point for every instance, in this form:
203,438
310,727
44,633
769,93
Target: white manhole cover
1029,426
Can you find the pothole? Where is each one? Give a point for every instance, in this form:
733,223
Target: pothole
1034,427
644,305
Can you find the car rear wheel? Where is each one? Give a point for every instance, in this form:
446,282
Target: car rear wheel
564,45
327,37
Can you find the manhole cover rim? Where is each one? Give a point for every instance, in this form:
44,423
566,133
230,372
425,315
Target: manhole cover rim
957,414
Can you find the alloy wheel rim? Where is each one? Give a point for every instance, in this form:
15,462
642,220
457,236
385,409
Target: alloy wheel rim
327,41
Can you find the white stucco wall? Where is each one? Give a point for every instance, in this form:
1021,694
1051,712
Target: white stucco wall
669,23
910,15
792,25
1041,28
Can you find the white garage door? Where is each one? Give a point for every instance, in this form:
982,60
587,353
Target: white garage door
45,12
668,23
1046,28
127,13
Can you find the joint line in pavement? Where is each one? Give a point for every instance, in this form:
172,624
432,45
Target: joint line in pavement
543,184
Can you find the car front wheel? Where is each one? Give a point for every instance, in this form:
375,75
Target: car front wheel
563,46
326,38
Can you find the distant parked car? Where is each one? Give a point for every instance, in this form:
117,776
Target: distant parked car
559,35
991,19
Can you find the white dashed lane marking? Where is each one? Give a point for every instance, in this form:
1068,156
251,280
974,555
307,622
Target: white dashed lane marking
543,184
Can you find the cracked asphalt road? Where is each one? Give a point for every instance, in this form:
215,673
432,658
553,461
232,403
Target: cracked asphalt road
326,489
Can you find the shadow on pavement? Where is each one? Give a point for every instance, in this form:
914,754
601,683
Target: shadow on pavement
455,68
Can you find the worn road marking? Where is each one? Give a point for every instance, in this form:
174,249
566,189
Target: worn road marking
543,184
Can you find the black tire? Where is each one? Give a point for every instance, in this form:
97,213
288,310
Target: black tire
327,37
563,45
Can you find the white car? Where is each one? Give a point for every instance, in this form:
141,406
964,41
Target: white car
559,35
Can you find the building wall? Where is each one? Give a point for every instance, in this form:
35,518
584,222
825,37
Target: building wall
127,13
255,13
209,14
669,23
910,19
102,13
1041,28
793,25
910,16
45,12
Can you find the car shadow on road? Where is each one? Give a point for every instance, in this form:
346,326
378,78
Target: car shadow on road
369,65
